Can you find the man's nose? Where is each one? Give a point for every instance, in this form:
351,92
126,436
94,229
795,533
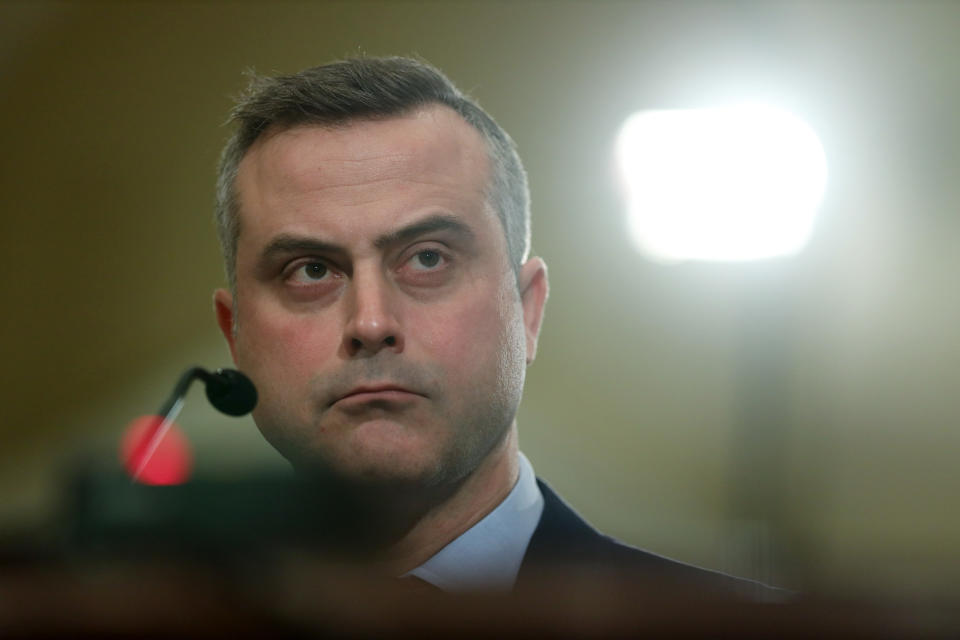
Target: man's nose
372,324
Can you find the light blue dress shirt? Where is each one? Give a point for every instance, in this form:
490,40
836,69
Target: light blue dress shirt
487,556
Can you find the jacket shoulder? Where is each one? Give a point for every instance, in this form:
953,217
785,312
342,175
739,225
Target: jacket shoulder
563,541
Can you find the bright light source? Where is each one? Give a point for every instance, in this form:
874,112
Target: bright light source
732,183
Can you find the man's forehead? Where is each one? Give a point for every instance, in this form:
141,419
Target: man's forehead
429,141
366,179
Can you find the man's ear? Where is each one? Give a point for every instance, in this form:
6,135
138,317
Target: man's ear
533,296
223,305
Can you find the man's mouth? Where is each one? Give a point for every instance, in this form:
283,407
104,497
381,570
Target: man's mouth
377,393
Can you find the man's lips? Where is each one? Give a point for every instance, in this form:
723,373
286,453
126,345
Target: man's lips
385,392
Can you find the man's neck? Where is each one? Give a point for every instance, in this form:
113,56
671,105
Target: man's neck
429,521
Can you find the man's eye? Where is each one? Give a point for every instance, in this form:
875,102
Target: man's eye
427,259
309,272
315,270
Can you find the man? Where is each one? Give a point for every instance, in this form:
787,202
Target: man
375,227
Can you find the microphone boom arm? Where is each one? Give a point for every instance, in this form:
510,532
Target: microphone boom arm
228,390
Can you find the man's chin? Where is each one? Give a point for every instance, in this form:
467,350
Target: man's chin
389,467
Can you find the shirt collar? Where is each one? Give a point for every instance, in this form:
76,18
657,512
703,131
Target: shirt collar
488,554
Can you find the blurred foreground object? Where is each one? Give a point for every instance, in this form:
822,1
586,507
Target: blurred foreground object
266,555
171,459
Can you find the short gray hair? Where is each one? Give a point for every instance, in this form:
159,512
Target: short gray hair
359,88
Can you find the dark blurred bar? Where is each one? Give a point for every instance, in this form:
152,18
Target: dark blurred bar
263,556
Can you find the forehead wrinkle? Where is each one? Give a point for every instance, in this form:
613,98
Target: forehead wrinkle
292,174
362,191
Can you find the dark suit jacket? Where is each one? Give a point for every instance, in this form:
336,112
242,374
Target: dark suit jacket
565,542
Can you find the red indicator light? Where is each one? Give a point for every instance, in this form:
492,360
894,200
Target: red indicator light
148,460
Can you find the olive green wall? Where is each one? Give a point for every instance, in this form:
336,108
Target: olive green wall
794,420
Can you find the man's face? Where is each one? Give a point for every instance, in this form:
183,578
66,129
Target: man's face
376,310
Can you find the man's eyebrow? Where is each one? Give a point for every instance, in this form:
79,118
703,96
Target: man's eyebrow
284,244
430,224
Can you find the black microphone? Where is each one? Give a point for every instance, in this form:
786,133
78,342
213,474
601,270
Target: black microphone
230,391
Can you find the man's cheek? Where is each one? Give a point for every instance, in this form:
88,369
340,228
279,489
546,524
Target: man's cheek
297,345
462,336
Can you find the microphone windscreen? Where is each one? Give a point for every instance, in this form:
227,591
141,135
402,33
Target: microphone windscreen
232,392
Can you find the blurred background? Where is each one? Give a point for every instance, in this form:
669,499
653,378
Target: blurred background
792,420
